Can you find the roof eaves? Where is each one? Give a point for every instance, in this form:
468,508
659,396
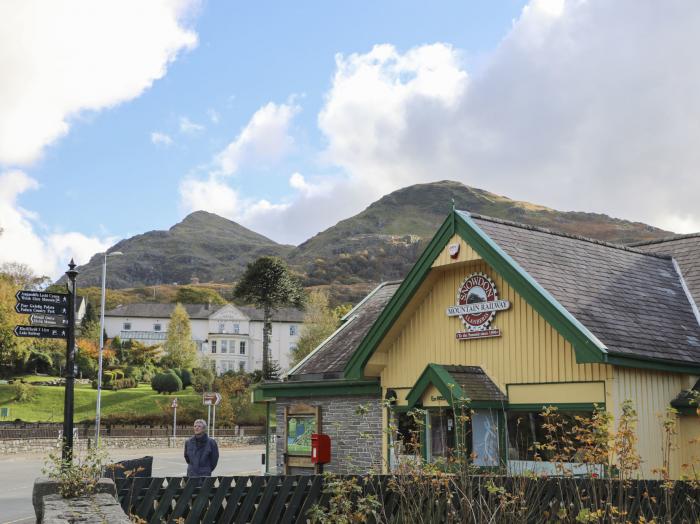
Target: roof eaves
664,240
370,295
320,346
688,295
627,247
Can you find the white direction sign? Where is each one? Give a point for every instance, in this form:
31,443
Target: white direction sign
41,297
211,399
48,320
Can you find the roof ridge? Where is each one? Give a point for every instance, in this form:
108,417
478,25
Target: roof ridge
665,239
581,238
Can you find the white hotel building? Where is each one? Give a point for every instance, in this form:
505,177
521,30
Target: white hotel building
229,335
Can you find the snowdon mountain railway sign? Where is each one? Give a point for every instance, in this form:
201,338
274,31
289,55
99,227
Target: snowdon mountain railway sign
477,305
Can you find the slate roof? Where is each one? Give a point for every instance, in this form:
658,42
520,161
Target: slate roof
198,312
632,301
475,383
330,358
686,250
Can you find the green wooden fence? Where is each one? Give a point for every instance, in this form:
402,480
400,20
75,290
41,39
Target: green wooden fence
488,499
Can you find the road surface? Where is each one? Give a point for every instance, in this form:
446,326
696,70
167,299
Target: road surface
19,471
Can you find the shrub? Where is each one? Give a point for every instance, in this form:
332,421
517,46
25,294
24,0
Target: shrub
167,382
186,377
23,392
134,372
202,379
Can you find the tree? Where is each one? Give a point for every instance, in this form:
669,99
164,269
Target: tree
198,295
319,323
179,347
268,284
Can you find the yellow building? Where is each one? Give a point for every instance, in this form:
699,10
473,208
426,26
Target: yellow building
514,318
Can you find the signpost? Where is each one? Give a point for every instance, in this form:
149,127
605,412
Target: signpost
174,406
41,319
211,399
40,332
52,315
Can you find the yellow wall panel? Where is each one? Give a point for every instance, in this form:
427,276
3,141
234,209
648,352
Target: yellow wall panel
528,351
569,392
466,253
689,441
651,393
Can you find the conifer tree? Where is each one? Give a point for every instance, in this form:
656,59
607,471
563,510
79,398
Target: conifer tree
179,346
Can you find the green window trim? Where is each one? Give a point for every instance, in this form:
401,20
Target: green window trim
320,388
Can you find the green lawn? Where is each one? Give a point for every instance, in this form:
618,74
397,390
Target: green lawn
47,405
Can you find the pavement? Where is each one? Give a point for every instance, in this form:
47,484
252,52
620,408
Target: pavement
19,472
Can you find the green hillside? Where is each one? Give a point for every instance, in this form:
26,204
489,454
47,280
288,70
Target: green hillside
204,245
383,241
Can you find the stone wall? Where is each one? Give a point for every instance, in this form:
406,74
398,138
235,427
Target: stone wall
354,425
99,508
45,446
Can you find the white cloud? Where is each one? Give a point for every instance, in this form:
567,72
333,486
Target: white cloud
586,105
161,139
61,58
189,127
265,139
46,253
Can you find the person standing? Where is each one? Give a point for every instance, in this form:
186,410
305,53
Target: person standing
201,452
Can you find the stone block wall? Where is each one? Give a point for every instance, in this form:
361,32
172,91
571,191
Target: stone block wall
354,425
44,445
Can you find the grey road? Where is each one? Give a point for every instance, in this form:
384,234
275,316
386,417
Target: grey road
17,474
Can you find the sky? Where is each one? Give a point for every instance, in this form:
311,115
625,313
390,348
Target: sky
121,117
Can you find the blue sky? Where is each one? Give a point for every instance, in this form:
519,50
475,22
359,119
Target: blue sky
318,108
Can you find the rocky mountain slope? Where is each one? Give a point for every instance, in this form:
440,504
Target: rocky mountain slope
204,245
380,243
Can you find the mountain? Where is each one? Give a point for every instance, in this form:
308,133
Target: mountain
204,245
380,243
383,241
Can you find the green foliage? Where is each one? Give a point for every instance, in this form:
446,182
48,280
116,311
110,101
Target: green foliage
179,346
23,392
184,375
235,397
198,295
202,379
78,477
167,382
269,284
319,323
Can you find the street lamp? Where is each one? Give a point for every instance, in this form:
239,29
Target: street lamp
102,343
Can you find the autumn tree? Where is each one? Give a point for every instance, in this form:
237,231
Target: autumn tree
269,285
179,347
319,323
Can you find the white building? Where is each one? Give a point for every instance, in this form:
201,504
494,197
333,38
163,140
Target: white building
229,335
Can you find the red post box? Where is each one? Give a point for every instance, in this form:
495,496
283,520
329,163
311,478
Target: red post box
320,448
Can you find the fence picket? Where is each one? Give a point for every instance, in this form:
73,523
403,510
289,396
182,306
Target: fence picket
144,509
233,499
248,503
164,504
215,503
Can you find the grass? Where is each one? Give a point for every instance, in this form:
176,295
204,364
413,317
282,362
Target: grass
47,405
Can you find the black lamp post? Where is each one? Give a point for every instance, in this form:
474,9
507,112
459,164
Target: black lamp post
67,444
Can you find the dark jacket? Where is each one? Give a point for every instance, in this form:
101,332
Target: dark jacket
201,455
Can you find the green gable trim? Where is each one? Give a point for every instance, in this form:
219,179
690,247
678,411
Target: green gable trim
320,388
439,377
586,346
355,366
653,364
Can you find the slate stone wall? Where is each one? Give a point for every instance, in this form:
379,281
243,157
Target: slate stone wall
354,425
47,445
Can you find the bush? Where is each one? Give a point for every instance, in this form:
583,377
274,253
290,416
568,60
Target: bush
167,382
183,374
202,379
134,372
23,392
